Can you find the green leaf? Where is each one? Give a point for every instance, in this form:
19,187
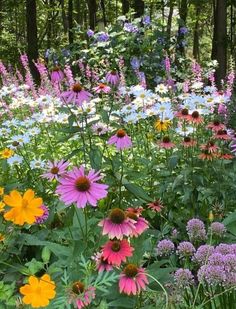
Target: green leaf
95,157
137,191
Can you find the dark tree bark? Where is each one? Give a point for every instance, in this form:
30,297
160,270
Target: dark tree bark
92,7
125,7
214,40
139,8
32,38
63,15
70,22
79,15
183,11
196,51
1,15
221,40
169,22
103,12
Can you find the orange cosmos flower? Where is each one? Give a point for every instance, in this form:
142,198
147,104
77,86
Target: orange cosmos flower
6,153
24,209
39,291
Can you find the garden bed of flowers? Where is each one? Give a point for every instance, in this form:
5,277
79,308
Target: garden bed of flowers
117,187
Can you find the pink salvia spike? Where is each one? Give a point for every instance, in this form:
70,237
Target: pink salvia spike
69,75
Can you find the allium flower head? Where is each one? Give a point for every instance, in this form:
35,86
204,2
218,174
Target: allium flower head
196,230
56,169
132,280
217,229
117,225
183,277
39,291
213,275
185,249
165,247
116,251
76,187
202,254
121,140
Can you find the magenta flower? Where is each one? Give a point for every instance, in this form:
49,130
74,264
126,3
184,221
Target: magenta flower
56,169
121,140
76,95
166,143
116,251
57,75
140,224
101,263
117,224
113,78
132,280
102,88
41,219
76,187
80,296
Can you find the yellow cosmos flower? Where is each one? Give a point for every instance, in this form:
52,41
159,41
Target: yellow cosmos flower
24,209
2,205
1,190
2,237
39,291
6,153
162,125
211,216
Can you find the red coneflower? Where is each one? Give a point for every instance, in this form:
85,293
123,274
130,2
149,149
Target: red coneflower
195,118
102,88
216,125
188,142
140,224
166,143
222,134
101,263
183,114
207,155
116,251
210,146
226,156
156,206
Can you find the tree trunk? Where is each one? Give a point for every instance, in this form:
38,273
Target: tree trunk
103,12
32,39
139,8
196,52
70,22
63,15
169,22
79,15
214,41
183,11
125,7
221,40
92,7
1,15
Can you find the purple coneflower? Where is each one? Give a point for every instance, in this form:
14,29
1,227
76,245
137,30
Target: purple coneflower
113,78
121,140
76,95
56,169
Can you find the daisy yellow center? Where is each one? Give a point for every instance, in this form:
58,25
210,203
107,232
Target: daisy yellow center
117,216
131,270
115,246
82,184
78,287
132,215
77,87
120,133
166,139
184,112
195,114
54,170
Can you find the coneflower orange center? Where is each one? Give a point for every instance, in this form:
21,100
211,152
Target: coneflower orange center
115,246
184,111
216,122
78,287
131,270
56,68
77,87
54,170
120,133
166,139
102,85
82,184
187,139
113,72
221,132
117,216
195,114
132,215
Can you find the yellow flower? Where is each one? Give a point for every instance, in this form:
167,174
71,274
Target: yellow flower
39,291
2,205
6,153
1,190
211,216
24,209
162,125
2,237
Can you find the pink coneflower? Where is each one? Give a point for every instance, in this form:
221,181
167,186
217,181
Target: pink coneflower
166,143
56,169
207,155
102,88
117,224
81,296
76,187
99,129
76,95
210,146
113,78
132,280
188,142
216,125
56,75
226,156
222,134
116,251
140,224
101,263
183,114
156,206
121,140
195,118
137,211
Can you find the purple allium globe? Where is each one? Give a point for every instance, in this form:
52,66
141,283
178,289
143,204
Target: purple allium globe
212,275
185,249
202,254
217,229
196,230
165,247
183,277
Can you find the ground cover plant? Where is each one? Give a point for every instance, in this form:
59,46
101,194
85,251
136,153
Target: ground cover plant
117,178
